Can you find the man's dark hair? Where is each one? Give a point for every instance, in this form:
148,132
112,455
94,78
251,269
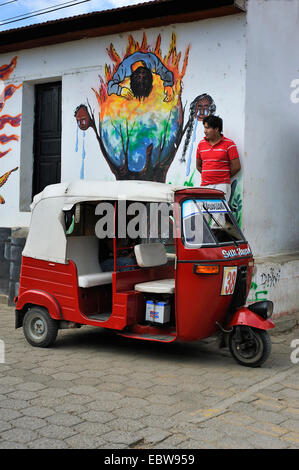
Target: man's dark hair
214,121
141,82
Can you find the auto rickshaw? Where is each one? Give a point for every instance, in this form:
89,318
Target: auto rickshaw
186,285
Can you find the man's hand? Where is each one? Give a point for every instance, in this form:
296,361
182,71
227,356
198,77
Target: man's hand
199,164
168,94
127,93
235,166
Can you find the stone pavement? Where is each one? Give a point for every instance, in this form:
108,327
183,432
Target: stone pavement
94,389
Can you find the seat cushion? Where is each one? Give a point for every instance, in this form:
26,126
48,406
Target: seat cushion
97,279
150,254
161,286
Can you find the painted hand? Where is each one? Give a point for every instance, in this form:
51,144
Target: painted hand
127,93
168,94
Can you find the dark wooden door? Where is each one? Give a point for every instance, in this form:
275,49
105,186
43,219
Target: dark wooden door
47,141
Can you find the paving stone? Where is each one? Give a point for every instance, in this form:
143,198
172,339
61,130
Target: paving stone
104,405
22,395
122,437
153,435
85,441
97,429
292,437
126,424
134,413
44,443
268,442
71,408
13,404
29,422
64,419
12,445
38,412
7,380
6,389
30,386
8,414
83,390
292,425
53,431
97,416
4,426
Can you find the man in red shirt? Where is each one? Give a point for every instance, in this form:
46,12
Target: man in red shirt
217,157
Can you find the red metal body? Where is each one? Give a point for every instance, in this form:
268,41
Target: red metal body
199,306
244,316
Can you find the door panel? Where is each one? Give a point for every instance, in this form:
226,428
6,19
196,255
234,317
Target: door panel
47,136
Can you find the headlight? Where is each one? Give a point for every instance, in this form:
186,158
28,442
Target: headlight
264,308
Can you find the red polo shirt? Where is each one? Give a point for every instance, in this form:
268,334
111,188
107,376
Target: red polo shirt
216,160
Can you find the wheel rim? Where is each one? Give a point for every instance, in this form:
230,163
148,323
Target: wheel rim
251,349
37,328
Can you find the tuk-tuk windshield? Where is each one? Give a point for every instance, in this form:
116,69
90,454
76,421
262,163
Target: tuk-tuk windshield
209,222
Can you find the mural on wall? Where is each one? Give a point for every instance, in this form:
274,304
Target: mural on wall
140,123
203,105
3,180
141,114
6,92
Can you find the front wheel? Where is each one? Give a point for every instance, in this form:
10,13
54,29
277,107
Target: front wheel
250,347
39,328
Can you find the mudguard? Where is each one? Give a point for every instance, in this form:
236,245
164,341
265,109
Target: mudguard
244,316
42,299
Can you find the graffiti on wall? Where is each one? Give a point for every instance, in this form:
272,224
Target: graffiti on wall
6,92
139,125
263,283
140,110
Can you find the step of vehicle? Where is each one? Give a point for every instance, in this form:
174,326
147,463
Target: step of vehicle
99,316
150,337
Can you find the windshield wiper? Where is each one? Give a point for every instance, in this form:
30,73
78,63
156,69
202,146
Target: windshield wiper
218,223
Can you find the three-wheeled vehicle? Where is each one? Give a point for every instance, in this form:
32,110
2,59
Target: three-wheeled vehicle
187,284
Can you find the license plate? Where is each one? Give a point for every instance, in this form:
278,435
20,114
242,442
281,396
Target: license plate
229,280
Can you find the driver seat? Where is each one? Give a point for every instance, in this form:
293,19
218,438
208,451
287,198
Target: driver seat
150,255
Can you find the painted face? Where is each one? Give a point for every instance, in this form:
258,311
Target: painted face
202,109
211,133
83,119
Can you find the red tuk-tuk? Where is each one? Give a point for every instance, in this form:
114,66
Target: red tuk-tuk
187,285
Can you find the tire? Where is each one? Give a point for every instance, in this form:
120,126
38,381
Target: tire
39,328
253,349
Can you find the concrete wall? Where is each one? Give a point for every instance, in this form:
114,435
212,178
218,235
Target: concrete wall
271,163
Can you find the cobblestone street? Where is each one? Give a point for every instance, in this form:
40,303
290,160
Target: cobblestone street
94,389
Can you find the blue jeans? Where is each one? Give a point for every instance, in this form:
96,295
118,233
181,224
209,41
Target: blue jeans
121,264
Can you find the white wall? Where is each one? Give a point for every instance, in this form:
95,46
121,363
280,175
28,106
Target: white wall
271,163
216,66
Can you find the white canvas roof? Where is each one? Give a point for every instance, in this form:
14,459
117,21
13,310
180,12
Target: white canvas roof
46,238
81,190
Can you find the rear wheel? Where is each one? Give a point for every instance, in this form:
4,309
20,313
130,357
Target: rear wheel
39,328
250,347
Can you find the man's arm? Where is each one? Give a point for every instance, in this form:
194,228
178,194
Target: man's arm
198,159
199,164
235,166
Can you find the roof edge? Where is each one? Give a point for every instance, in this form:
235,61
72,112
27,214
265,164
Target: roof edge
131,18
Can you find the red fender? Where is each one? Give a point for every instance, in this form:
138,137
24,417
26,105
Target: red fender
244,316
41,298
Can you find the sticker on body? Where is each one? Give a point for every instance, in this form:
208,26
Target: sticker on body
229,280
